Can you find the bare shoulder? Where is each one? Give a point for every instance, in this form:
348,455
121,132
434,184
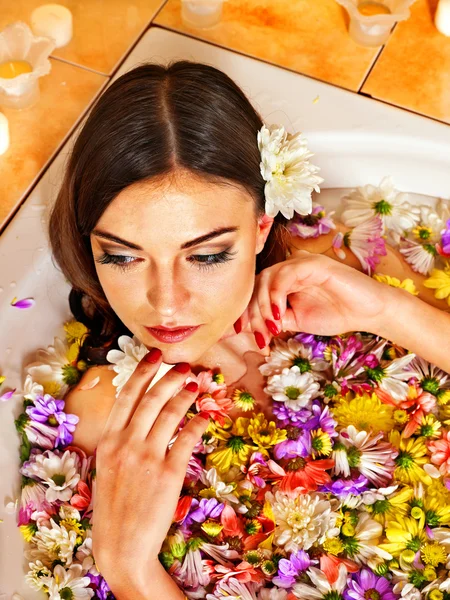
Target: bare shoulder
91,406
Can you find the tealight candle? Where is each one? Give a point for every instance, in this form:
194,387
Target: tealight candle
53,21
442,18
370,9
13,68
4,134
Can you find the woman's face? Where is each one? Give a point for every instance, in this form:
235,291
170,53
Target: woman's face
157,272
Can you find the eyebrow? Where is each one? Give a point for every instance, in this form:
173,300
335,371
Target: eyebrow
203,238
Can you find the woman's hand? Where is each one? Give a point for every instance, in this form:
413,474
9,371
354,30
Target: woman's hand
138,481
314,294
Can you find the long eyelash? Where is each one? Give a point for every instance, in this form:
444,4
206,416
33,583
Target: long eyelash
206,261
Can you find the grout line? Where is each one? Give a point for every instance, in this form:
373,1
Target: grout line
74,64
375,61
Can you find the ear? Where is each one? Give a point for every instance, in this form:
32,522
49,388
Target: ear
263,229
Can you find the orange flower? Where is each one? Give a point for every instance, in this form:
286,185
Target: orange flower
305,475
440,453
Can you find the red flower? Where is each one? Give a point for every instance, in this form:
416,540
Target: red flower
305,475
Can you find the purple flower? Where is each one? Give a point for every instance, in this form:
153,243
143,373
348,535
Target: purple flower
286,416
48,411
206,508
366,585
298,444
445,240
312,225
317,343
321,419
288,570
342,487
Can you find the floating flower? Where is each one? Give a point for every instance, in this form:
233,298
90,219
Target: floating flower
50,411
290,177
321,587
293,353
421,257
443,247
312,225
412,456
289,570
365,241
440,453
384,201
302,520
407,284
58,473
75,331
125,360
292,387
366,585
440,282
243,400
24,303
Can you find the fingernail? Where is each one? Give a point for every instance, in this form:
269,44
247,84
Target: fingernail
272,327
276,312
182,367
260,339
204,415
153,356
238,325
192,386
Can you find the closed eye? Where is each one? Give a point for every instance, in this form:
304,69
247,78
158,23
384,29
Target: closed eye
204,261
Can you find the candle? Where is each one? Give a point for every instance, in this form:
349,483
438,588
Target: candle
13,68
442,18
4,134
53,21
370,9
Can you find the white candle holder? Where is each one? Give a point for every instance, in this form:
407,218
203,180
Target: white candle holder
17,42
201,13
374,30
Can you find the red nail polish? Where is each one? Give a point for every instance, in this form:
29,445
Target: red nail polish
153,356
276,312
182,367
238,326
192,386
259,339
272,327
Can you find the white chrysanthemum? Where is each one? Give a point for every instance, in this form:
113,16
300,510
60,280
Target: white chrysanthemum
431,378
56,542
290,177
293,388
125,360
395,375
233,589
365,202
85,555
302,520
37,570
68,583
286,354
321,587
430,224
55,368
67,511
218,488
31,389
366,538
421,257
59,473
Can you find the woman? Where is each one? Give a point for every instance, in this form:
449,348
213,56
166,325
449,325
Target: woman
161,224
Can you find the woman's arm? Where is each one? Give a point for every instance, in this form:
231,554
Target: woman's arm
159,584
415,325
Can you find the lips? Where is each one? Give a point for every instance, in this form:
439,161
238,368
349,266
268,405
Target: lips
171,336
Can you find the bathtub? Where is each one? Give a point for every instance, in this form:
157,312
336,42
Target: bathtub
356,140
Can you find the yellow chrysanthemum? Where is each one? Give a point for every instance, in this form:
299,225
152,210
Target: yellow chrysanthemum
243,400
401,416
412,454
391,507
433,554
235,448
429,427
365,412
405,537
443,397
406,284
440,281
333,546
75,331
264,433
321,442
52,387
434,501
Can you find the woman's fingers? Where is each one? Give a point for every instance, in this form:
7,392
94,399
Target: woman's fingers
153,401
132,391
170,417
181,451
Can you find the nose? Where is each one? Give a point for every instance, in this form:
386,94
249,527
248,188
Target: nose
167,292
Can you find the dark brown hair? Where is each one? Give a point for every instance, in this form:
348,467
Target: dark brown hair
150,121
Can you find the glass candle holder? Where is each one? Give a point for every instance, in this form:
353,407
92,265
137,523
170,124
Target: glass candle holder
371,21
23,60
201,13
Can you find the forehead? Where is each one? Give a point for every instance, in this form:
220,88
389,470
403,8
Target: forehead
176,208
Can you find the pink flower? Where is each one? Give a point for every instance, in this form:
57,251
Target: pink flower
366,243
312,225
440,453
212,397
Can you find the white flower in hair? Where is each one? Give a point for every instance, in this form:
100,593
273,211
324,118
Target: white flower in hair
290,177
